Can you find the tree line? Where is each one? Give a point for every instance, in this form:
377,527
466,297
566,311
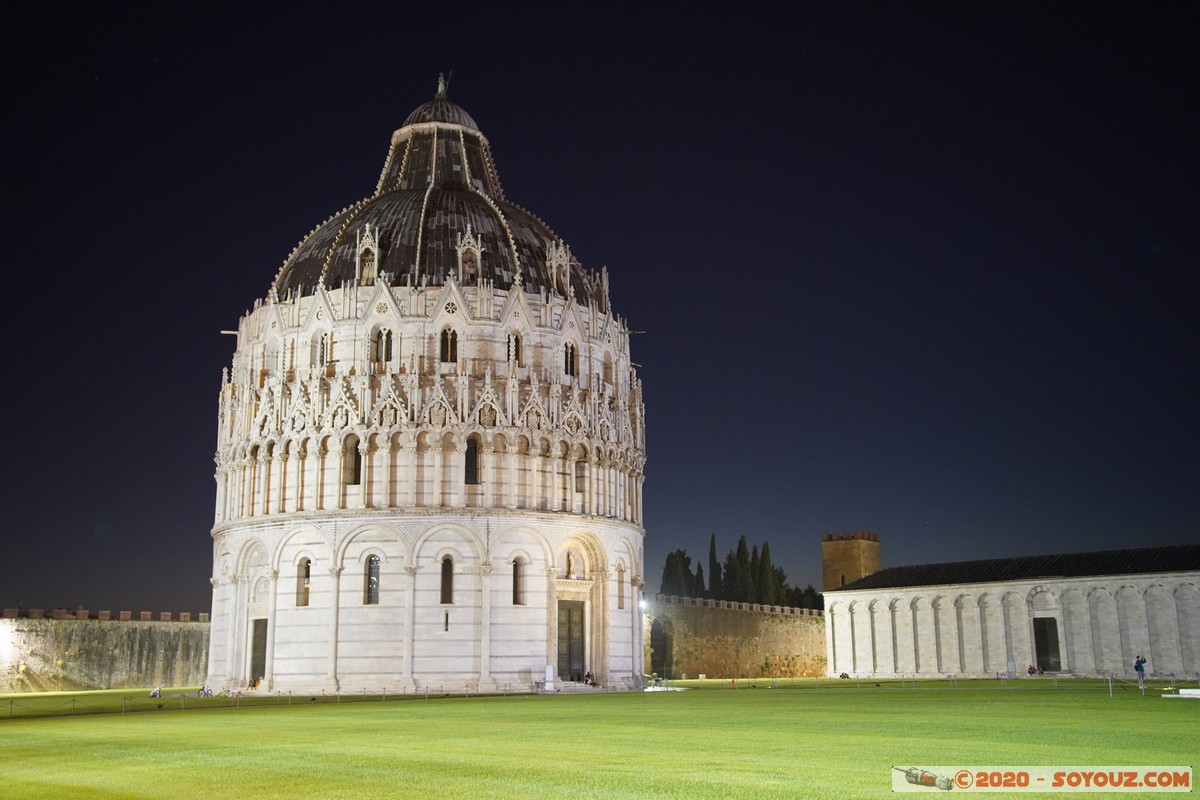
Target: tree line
747,575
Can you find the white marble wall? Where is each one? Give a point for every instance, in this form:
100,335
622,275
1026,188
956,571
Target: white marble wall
410,640
982,629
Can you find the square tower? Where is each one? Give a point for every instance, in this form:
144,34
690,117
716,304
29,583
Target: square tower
846,557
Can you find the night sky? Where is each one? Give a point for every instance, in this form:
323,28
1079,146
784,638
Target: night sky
926,270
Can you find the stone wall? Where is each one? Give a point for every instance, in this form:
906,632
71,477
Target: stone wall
687,637
38,655
1090,626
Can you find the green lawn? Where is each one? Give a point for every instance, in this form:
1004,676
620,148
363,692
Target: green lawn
836,741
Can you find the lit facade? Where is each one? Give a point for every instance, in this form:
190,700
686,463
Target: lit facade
430,448
1084,614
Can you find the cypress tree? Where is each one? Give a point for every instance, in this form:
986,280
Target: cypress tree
677,574
698,587
756,588
714,570
768,582
739,585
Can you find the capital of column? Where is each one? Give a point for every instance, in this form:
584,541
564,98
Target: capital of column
486,569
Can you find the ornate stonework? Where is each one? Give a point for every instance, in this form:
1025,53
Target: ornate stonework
390,407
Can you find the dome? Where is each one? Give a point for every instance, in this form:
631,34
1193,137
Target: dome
439,186
439,109
431,426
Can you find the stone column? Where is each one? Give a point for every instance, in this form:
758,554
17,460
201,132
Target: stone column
339,473
556,480
281,502
438,455
237,627
536,465
488,479
366,473
384,452
410,484
486,682
510,460
335,575
217,602
601,630
269,667
302,467
637,653
268,484
243,479
552,618
410,624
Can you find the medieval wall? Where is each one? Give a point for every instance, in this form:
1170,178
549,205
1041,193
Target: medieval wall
687,637
38,655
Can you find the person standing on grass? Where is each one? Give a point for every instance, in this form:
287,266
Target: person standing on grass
1139,666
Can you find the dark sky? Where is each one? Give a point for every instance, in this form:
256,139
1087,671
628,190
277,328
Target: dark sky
926,270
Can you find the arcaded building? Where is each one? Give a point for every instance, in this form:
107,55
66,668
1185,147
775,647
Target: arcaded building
430,447
1087,614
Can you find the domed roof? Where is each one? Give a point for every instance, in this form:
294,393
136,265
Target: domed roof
440,109
438,191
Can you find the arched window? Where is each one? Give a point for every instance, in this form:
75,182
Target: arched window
518,582
351,462
324,347
514,348
366,262
468,265
472,464
608,369
383,346
447,580
303,576
449,348
371,582
620,585
570,360
580,476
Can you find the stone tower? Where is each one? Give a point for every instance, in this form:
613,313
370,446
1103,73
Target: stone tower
430,447
846,557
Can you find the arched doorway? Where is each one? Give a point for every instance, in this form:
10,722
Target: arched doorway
661,662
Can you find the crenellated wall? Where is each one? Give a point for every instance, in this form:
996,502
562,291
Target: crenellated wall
39,655
687,637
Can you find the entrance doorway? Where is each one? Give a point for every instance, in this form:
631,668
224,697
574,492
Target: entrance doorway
258,649
1045,643
570,640
660,650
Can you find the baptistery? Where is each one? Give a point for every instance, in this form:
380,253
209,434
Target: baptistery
430,448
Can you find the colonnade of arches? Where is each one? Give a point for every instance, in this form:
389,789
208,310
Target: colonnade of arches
1084,630
428,469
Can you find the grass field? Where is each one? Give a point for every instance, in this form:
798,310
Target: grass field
796,741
